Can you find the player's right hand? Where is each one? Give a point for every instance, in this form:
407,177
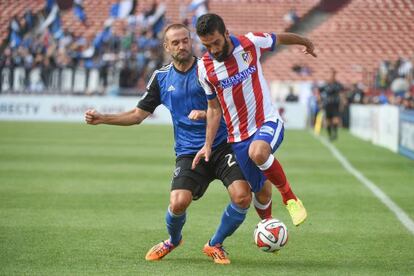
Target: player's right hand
92,117
310,48
197,115
204,152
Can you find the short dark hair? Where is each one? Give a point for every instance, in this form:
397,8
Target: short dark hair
208,23
176,26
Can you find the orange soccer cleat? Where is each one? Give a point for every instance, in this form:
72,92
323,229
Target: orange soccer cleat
217,253
160,250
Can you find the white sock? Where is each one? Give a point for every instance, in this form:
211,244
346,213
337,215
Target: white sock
268,163
259,205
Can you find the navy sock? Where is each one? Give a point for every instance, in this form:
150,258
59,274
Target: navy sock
175,224
232,217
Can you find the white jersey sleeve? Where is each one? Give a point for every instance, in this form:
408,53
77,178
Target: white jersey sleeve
202,78
264,41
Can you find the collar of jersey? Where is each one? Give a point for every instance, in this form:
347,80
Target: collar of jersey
191,68
235,41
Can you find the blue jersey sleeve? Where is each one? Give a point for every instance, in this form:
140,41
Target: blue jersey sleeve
152,97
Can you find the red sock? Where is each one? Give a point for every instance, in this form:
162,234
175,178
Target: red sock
274,172
264,211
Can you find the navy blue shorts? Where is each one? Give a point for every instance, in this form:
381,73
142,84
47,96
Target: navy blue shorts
270,132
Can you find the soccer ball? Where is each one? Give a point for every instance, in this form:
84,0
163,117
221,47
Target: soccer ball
270,235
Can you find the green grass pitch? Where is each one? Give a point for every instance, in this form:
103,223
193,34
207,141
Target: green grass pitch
91,200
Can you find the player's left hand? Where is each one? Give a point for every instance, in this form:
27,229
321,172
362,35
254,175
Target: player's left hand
197,115
309,48
93,117
204,152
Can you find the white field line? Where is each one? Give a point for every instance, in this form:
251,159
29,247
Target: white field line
399,213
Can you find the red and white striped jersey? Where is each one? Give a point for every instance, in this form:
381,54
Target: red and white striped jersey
240,86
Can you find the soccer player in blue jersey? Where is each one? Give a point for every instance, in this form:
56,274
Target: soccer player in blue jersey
176,86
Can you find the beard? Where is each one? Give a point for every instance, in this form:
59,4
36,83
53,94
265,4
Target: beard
221,56
182,57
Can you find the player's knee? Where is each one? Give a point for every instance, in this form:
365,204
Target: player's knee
240,193
179,202
178,207
242,199
258,156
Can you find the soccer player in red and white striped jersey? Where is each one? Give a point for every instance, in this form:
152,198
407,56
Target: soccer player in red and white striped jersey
232,77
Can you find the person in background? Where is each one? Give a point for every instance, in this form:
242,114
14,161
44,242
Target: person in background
291,97
330,94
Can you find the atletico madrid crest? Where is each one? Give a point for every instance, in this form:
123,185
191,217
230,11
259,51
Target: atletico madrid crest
247,57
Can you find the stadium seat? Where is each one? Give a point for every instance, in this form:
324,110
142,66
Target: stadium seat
354,40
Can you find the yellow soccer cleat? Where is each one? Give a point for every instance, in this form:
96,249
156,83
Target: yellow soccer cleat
297,211
159,251
217,253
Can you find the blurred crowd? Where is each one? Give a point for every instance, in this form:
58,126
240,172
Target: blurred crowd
40,55
395,82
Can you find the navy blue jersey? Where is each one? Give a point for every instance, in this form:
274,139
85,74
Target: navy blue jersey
181,93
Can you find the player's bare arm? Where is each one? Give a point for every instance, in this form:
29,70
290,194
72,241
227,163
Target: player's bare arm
213,123
197,115
132,117
213,120
291,38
